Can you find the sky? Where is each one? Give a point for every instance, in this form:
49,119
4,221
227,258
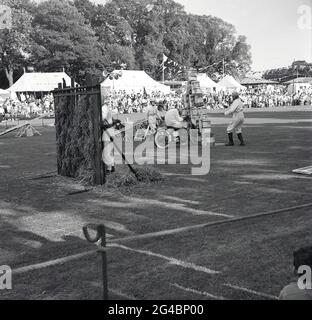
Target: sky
271,27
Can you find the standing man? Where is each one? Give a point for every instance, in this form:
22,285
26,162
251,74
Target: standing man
237,110
2,113
152,116
108,140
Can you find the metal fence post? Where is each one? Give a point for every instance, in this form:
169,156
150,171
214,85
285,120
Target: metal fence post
102,232
100,236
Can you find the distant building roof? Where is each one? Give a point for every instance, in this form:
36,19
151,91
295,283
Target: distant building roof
300,80
40,82
299,62
254,82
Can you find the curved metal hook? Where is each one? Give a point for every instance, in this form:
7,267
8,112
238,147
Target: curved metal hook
100,229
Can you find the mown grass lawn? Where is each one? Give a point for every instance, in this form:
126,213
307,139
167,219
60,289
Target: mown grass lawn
40,221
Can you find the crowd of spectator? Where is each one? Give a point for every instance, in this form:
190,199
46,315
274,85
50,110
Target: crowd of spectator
261,98
27,106
123,103
278,97
265,97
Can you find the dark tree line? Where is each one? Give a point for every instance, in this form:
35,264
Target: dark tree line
87,39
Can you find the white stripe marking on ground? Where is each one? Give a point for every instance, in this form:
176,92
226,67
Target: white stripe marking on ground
192,179
139,203
172,261
181,200
202,293
114,291
196,212
121,294
177,207
260,294
117,227
170,174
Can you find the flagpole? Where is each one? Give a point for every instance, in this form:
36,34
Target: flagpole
163,70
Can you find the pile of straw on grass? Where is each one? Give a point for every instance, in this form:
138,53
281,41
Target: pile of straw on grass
124,178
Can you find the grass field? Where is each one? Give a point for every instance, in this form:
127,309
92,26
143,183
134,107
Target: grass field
164,242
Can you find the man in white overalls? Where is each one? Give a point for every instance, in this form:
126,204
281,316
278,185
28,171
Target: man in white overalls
237,110
174,121
108,135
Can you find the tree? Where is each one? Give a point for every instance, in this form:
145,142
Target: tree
113,31
240,58
87,39
142,31
213,42
118,56
168,19
15,43
64,39
87,9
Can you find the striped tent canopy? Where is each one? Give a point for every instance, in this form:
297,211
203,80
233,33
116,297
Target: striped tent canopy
136,81
207,84
230,84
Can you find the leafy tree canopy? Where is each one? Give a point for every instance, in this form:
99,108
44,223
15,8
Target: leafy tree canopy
15,43
87,39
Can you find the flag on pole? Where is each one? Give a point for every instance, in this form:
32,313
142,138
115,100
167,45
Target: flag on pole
171,67
165,59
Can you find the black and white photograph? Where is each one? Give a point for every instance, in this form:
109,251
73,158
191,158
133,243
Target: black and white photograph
156,151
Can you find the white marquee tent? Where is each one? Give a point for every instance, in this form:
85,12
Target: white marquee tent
133,81
206,84
230,84
4,94
39,82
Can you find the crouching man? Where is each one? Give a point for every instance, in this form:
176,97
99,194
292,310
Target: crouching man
174,121
237,110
